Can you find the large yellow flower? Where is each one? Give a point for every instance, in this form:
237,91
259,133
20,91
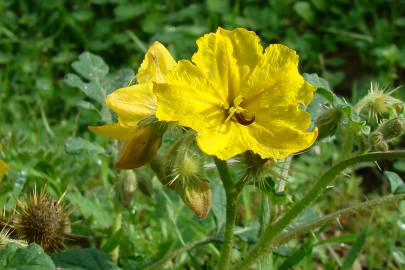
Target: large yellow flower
133,105
239,97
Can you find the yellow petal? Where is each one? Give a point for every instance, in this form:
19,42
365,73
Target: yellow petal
140,148
228,57
281,142
306,93
224,141
189,98
115,131
3,168
156,64
276,80
133,103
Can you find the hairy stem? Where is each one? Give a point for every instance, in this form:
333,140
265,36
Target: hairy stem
232,192
306,228
273,230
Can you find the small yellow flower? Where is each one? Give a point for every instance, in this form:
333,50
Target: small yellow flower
3,168
239,97
133,105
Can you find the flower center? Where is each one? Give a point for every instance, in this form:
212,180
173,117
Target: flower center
237,112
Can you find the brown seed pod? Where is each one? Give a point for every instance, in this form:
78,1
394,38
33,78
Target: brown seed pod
42,220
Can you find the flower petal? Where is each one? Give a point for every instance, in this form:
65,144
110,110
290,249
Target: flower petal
280,142
139,148
3,168
276,133
228,57
188,97
156,64
133,103
115,131
276,80
224,141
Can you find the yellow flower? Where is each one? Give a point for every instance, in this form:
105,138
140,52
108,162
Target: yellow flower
135,104
239,97
3,168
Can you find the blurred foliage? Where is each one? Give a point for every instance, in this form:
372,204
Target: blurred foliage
348,43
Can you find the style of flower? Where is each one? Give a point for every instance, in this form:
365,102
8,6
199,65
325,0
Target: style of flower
239,97
135,105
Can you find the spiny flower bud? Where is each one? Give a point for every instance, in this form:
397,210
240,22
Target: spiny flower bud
379,102
197,196
328,122
257,169
127,186
42,220
182,169
377,142
392,128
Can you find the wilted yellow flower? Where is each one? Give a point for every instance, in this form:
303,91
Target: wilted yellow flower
134,104
239,97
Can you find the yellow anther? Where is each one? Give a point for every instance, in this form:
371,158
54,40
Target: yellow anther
238,100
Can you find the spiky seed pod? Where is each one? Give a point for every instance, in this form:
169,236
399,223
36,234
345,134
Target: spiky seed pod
6,223
5,238
42,220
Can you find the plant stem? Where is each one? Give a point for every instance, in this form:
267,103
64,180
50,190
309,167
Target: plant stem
272,230
306,228
232,193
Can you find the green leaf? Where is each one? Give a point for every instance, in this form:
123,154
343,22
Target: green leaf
92,67
84,259
317,81
91,89
394,181
94,208
75,145
13,257
355,250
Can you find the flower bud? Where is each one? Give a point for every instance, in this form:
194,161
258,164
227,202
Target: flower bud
377,142
379,103
141,147
328,122
257,169
197,196
392,128
127,186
